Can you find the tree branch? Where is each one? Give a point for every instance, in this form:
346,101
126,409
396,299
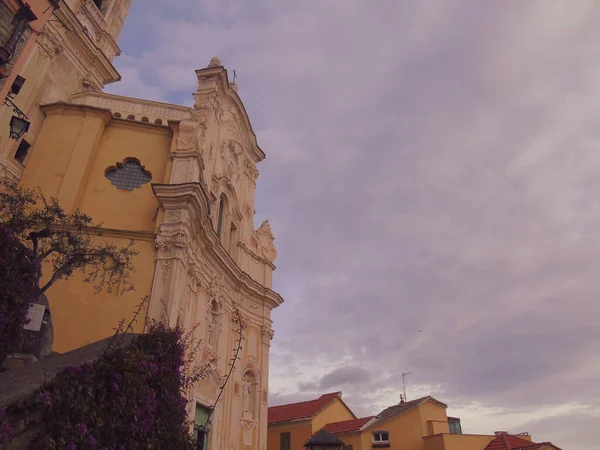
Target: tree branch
55,277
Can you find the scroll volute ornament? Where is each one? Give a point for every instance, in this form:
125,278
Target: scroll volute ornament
266,239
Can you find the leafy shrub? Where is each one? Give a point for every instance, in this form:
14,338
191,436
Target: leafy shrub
18,282
131,398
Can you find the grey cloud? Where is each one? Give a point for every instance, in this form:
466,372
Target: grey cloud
430,166
344,376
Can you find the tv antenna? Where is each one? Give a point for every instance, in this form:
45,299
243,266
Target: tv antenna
234,76
403,384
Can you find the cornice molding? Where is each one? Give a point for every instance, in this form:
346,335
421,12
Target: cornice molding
192,198
60,108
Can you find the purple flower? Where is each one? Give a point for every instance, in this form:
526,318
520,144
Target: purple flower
92,441
6,431
71,446
46,398
81,428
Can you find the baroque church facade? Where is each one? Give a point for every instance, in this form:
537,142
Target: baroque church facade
178,181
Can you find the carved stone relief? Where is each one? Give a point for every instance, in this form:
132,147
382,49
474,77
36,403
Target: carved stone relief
265,238
168,243
189,135
267,334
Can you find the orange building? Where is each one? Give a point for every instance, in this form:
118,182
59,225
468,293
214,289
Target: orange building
420,424
290,426
20,24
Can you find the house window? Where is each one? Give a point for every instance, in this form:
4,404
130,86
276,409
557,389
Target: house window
201,427
381,439
220,218
454,426
128,175
22,151
285,441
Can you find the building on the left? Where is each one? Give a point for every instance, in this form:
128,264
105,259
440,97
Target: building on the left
55,48
178,180
20,25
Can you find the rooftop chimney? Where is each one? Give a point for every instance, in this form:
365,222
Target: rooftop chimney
500,433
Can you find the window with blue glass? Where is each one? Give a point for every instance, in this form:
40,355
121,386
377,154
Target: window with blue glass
128,175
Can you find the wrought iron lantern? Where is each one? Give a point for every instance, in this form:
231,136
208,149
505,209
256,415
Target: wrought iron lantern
19,123
18,126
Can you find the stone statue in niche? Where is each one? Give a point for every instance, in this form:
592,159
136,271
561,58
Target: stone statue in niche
249,395
214,324
247,392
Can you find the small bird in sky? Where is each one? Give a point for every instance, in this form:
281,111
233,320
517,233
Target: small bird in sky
419,331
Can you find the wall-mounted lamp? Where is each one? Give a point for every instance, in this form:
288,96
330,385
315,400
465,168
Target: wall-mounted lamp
18,127
19,123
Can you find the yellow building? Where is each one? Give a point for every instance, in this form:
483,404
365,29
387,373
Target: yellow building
290,426
20,25
180,182
420,424
69,54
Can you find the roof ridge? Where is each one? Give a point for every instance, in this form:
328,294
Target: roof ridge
350,420
305,401
506,443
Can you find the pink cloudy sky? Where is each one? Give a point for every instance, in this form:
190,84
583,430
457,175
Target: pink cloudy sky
431,165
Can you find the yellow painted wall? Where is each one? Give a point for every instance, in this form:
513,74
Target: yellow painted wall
75,147
127,210
300,433
406,432
430,411
353,439
437,427
337,411
81,317
457,442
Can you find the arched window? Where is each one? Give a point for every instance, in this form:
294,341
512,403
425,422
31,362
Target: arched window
220,217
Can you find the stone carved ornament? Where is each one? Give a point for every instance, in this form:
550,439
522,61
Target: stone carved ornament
167,243
266,333
216,287
250,171
266,238
189,135
230,152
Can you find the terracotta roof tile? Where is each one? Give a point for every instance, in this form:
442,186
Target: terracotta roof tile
347,426
301,410
510,442
399,408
